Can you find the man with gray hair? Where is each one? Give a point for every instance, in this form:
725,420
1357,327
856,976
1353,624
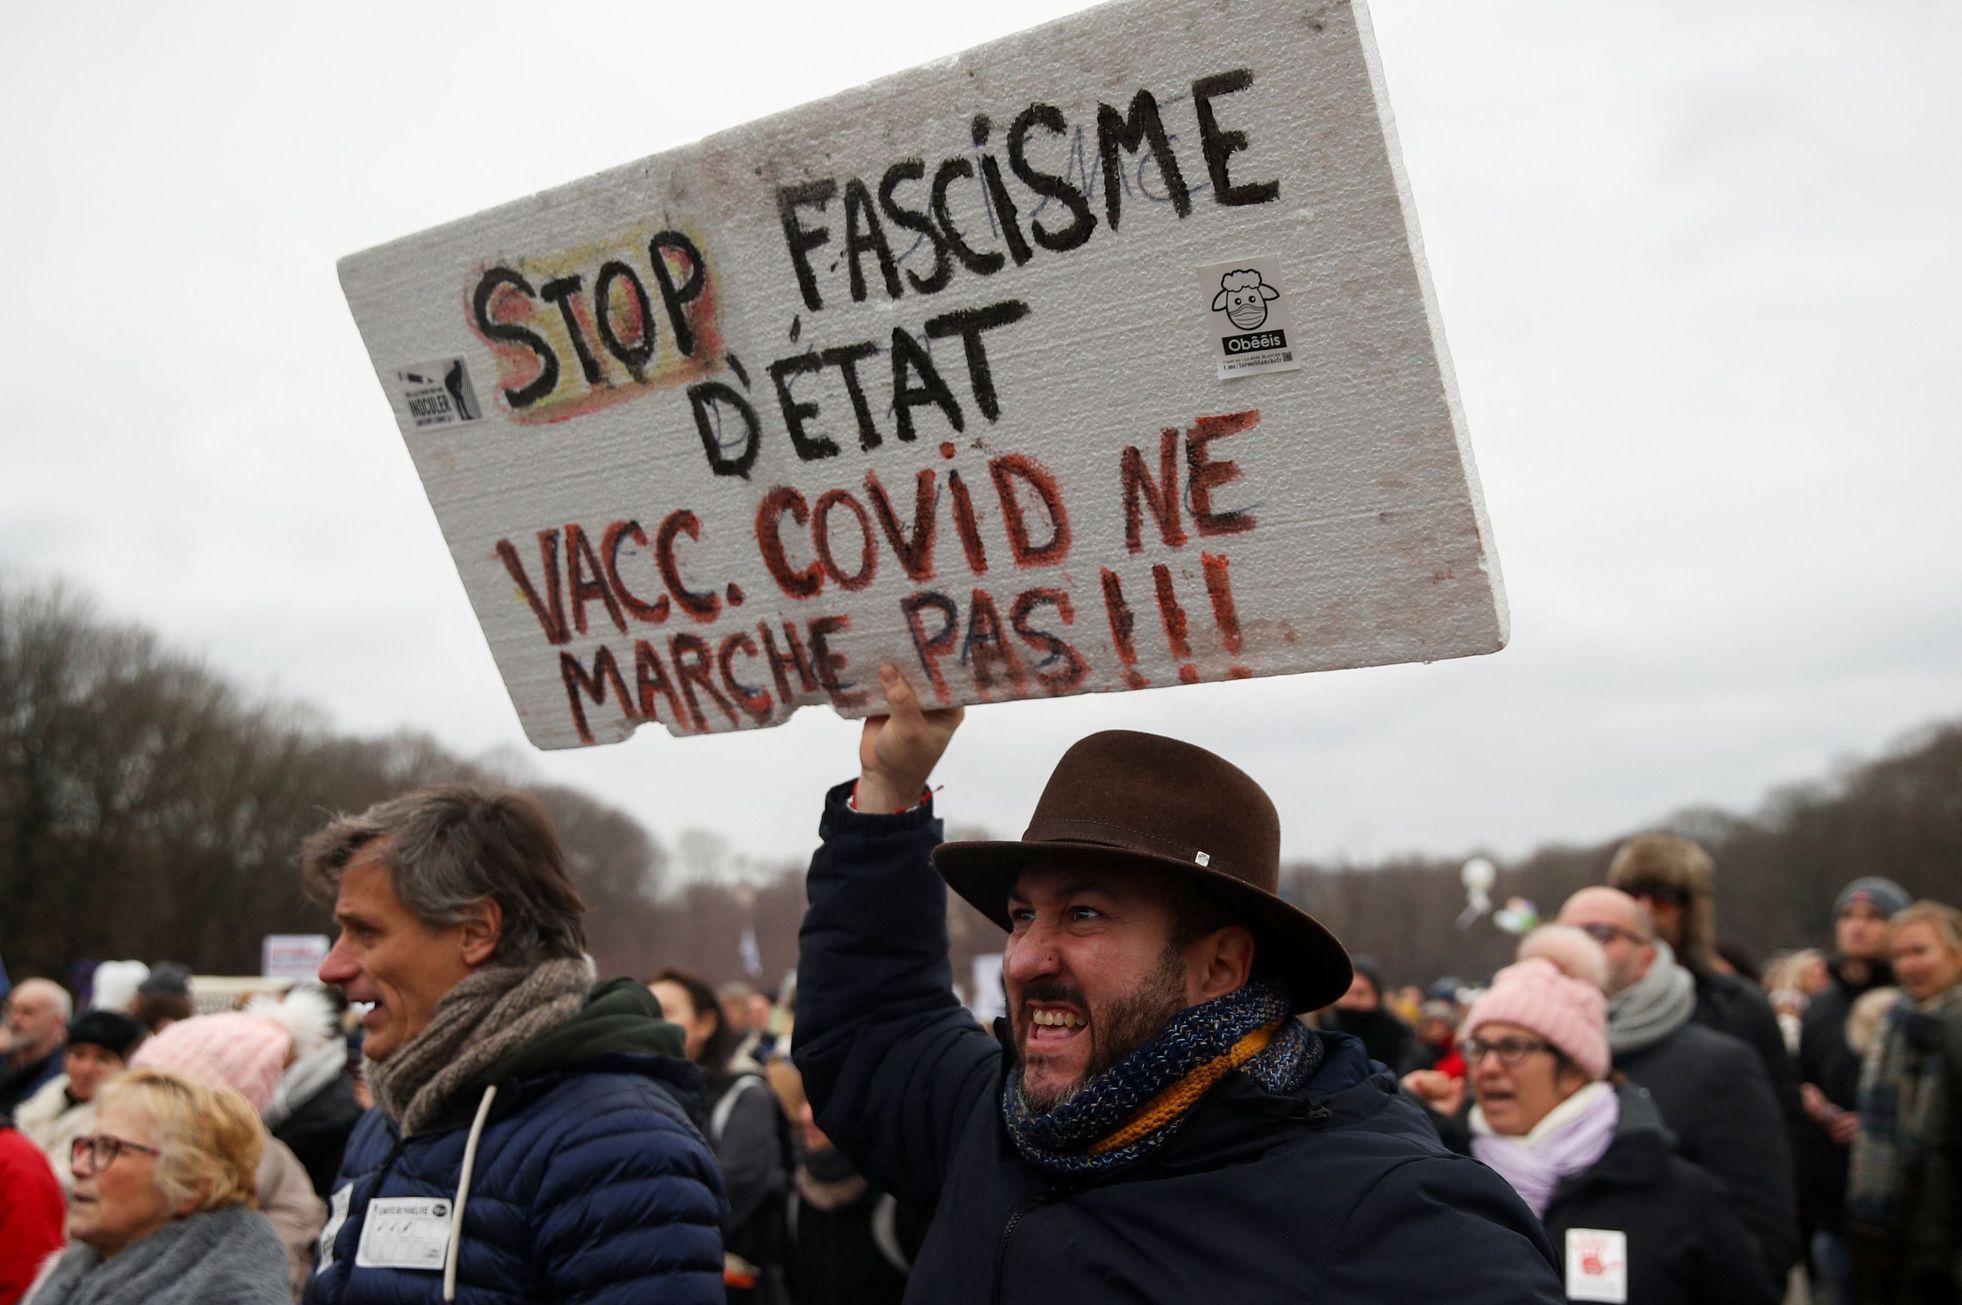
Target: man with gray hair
531,1139
1711,1088
38,1011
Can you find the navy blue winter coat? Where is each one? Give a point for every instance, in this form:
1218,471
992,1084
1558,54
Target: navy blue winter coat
1338,1193
589,1182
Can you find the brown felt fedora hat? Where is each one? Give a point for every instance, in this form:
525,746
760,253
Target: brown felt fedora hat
1121,798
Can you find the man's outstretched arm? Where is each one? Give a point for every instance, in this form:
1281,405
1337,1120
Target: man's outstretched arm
891,1061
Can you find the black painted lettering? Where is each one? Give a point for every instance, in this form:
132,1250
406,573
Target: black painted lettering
634,357
708,399
846,359
915,221
674,297
968,324
798,238
1220,145
1048,185
564,291
1004,205
810,447
909,360
511,333
863,234
1116,131
973,260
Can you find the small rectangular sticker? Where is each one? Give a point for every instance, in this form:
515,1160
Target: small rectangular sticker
404,1232
1249,316
437,394
1597,1265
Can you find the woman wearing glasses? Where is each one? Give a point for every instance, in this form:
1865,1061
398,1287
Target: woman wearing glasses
162,1210
1628,1219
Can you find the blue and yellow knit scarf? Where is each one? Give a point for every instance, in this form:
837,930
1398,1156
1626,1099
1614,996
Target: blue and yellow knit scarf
1133,1107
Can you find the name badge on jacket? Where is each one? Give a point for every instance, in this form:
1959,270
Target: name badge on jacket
336,1216
405,1232
1597,1265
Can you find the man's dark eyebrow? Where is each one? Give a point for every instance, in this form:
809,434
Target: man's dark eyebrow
1097,884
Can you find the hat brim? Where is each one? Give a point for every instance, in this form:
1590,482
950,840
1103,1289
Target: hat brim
1290,943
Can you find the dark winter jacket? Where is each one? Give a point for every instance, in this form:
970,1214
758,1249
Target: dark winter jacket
318,1131
1386,1039
751,1142
19,1082
1729,1003
589,1183
1712,1093
1685,1244
851,1243
1337,1192
1683,1241
1834,1068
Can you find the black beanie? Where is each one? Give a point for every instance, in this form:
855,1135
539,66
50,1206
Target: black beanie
111,1030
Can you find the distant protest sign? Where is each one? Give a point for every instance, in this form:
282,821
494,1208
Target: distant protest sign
294,956
1098,358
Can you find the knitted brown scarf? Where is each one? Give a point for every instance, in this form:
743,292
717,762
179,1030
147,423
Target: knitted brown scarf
480,1021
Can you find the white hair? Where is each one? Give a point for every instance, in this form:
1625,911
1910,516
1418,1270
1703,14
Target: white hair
53,991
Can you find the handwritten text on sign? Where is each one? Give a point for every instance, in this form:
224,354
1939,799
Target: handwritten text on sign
936,372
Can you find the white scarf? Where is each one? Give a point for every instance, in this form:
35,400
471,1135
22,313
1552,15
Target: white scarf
1571,1139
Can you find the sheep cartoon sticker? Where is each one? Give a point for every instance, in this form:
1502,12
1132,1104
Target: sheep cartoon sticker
1243,298
1248,312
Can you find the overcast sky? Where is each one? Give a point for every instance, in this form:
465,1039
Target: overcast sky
1699,267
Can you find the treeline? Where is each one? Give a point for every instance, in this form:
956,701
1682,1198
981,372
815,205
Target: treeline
150,809
1778,870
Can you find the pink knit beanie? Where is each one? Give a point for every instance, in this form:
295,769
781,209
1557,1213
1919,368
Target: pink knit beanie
233,1049
1536,995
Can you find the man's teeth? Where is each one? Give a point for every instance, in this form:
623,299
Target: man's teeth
1061,1019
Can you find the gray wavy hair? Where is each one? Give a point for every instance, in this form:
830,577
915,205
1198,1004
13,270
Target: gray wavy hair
453,846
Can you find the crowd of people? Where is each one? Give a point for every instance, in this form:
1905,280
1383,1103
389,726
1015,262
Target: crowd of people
1195,1091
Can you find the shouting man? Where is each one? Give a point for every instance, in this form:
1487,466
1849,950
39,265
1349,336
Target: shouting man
529,1140
1151,1123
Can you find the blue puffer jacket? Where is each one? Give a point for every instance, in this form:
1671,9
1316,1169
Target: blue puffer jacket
588,1182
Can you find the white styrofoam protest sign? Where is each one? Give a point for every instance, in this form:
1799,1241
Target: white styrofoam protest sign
1096,358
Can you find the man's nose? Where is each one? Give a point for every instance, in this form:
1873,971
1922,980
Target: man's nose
1032,955
337,968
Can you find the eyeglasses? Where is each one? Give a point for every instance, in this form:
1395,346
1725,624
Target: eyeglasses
1510,1051
93,1154
1607,933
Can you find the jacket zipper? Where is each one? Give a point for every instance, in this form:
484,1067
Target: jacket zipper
1015,1214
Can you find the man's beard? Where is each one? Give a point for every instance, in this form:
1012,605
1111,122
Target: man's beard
1115,1031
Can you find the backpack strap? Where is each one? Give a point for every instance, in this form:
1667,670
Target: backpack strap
726,1104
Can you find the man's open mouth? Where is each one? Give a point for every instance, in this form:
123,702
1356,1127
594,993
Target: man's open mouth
1053,1024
